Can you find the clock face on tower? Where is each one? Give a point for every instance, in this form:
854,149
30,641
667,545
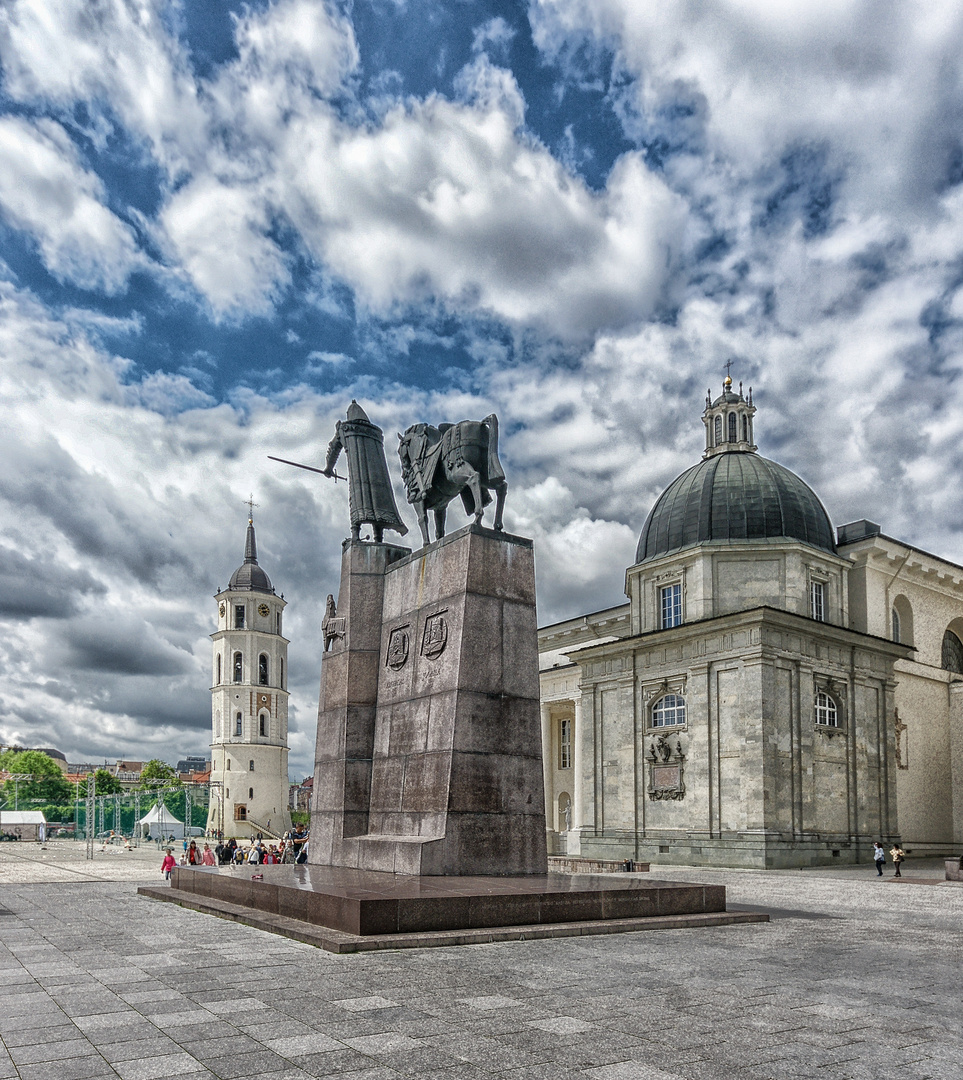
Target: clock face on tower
263,610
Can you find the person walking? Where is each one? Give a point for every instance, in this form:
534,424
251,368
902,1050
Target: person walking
897,854
208,857
879,857
168,864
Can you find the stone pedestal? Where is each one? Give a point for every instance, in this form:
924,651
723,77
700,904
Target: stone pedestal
429,742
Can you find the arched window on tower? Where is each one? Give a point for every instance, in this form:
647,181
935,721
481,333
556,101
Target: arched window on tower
217,679
281,673
717,431
263,724
262,670
952,653
732,427
745,429
238,667
238,724
896,626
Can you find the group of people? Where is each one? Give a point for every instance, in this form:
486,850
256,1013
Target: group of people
292,848
896,853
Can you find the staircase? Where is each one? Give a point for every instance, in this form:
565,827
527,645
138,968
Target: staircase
257,827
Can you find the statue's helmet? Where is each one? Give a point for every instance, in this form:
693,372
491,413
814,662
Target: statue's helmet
355,412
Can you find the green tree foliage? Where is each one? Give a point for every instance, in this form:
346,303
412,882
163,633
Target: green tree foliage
155,769
105,783
47,783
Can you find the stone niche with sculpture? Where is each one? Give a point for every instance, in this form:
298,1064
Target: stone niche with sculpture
428,756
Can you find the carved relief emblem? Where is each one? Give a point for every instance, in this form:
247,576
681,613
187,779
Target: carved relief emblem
666,767
397,648
435,637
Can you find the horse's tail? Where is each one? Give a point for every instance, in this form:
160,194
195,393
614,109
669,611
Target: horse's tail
496,474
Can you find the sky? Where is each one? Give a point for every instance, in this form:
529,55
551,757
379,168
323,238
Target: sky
220,222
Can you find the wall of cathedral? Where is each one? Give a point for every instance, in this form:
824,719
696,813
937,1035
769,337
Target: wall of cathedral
749,778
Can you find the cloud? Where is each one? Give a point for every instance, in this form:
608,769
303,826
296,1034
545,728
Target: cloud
45,191
118,58
41,587
111,641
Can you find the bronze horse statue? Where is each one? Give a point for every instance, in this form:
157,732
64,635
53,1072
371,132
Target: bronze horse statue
438,463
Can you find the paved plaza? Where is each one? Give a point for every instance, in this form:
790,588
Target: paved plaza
853,977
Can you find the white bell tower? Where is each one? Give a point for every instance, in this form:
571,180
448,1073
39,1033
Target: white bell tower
249,748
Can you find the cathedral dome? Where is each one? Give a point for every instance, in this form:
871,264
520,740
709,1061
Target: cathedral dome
732,496
250,576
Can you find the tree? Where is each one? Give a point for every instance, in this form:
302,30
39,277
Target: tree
46,783
155,769
105,783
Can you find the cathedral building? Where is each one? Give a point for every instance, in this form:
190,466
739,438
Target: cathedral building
773,694
249,747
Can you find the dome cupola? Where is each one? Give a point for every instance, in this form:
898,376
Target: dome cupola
250,576
734,494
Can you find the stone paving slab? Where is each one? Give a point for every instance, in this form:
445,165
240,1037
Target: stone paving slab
853,978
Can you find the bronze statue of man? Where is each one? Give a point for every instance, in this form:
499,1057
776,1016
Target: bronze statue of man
370,497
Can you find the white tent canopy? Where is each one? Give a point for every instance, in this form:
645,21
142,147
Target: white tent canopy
159,822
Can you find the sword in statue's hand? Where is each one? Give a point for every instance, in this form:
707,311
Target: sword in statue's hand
310,468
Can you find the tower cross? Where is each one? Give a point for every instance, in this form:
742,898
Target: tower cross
250,506
729,368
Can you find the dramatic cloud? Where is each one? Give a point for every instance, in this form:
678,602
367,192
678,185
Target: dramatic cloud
222,222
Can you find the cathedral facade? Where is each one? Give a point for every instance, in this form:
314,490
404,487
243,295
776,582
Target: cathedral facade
249,705
773,694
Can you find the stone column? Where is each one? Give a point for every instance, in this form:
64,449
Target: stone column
956,758
547,759
573,839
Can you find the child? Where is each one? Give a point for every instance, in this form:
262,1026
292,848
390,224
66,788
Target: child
167,865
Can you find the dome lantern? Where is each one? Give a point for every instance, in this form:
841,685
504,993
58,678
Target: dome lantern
728,421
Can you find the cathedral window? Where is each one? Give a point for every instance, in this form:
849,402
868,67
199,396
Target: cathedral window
745,429
238,667
262,670
671,605
264,724
717,431
565,743
251,766
217,680
250,793
281,673
278,622
817,600
896,628
669,711
238,616
732,427
238,721
952,653
826,713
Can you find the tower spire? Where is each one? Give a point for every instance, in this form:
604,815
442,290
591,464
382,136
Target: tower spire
728,420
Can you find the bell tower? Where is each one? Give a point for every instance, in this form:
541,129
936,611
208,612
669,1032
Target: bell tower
249,745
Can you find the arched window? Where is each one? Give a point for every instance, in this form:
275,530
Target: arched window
217,680
279,622
669,711
745,429
238,667
952,653
228,769
264,724
250,793
251,766
281,673
262,670
717,431
902,617
826,710
732,427
238,721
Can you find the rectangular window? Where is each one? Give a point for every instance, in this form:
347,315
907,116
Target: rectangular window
238,616
817,598
565,744
671,601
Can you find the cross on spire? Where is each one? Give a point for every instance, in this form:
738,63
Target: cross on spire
729,368
250,507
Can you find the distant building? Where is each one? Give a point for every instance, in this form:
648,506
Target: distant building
249,697
299,795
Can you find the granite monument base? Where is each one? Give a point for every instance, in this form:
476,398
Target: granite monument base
346,910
